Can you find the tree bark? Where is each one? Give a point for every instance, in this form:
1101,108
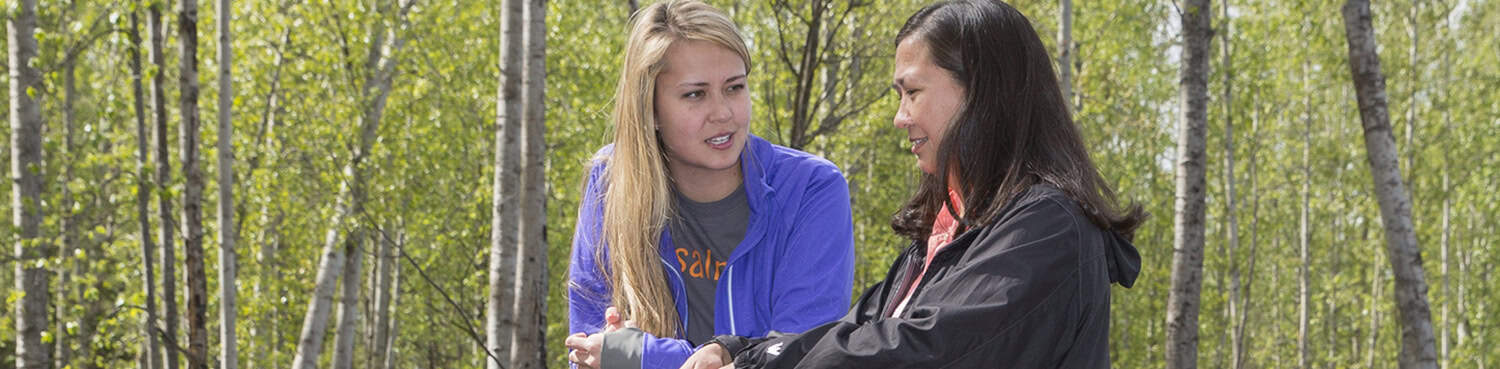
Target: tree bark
381,63
1187,258
192,201
63,353
26,188
1065,50
269,325
1416,89
527,348
1235,309
829,71
348,313
143,195
1417,346
500,324
388,347
156,28
1304,236
1245,302
228,230
1447,329
1374,306
382,301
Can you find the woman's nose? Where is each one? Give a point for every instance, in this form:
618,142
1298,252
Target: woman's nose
901,120
723,111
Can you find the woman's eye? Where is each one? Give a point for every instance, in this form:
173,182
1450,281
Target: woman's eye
737,87
693,94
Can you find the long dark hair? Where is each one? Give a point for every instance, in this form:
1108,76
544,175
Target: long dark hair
1014,129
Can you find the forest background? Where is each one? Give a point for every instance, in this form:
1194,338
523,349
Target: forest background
356,157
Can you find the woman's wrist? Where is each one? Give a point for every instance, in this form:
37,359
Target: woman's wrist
732,345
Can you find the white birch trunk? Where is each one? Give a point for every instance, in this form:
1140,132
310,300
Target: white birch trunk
192,202
228,234
157,29
381,63
388,351
527,348
1187,256
26,184
382,300
500,323
1065,50
1403,252
152,356
348,313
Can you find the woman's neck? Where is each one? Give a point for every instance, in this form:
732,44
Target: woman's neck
700,185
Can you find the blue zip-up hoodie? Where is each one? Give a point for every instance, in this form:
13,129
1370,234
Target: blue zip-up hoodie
793,271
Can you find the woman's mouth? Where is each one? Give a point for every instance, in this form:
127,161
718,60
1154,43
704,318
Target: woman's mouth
916,144
720,142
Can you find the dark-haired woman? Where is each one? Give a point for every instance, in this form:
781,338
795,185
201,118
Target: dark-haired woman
1016,237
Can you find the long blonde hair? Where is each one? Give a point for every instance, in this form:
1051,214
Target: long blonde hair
638,199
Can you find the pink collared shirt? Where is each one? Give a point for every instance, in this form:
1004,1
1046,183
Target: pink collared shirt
944,228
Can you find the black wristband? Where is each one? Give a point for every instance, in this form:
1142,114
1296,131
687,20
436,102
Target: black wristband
732,344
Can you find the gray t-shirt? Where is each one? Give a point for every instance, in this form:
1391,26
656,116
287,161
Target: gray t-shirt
704,235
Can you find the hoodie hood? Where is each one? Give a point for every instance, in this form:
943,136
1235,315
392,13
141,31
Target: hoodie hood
1124,261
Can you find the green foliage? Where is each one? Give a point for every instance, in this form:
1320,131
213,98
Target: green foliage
429,175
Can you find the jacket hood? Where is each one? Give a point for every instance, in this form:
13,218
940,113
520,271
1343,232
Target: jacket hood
1124,261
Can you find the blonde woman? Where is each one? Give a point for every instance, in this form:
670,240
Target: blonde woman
690,226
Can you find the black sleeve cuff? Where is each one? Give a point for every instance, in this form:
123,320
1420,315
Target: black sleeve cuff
732,344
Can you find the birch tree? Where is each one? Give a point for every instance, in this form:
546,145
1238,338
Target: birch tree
348,312
381,301
823,44
26,184
1065,50
528,349
1402,250
152,355
500,324
381,64
192,201
228,229
1187,257
158,32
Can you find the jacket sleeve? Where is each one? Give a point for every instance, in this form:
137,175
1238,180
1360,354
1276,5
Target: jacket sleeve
1013,300
632,348
588,290
815,272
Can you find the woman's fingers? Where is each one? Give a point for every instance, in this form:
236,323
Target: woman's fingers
585,353
577,341
583,361
611,315
612,320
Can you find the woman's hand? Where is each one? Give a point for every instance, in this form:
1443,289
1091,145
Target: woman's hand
587,349
709,357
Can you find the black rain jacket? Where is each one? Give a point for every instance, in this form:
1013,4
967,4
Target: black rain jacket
1029,290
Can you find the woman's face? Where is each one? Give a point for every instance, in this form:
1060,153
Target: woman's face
930,98
702,108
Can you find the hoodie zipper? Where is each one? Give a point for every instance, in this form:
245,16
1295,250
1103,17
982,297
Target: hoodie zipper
680,283
732,329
